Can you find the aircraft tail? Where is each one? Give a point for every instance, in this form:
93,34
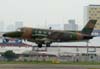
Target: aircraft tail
89,27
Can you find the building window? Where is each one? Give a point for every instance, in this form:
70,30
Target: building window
98,23
95,14
95,8
45,32
89,11
98,17
89,17
98,11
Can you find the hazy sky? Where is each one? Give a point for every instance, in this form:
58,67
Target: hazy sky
37,13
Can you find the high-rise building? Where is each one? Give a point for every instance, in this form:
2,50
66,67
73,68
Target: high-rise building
18,24
2,25
10,27
71,25
93,12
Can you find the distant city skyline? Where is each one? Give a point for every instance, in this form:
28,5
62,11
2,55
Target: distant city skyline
18,24
71,25
10,27
35,12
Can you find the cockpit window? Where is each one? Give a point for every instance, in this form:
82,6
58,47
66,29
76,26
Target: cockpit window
19,30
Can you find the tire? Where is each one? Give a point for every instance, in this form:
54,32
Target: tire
47,45
39,45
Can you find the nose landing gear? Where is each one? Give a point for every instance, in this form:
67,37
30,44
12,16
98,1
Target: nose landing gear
40,45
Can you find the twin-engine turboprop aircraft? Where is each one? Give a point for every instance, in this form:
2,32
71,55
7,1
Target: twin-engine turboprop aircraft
47,36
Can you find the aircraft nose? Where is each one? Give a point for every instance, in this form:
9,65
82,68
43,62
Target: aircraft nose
13,34
4,35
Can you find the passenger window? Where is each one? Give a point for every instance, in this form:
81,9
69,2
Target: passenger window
44,32
35,31
40,32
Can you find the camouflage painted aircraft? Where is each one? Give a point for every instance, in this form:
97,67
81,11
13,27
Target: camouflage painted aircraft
44,36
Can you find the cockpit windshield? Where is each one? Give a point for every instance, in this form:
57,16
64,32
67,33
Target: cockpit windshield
19,30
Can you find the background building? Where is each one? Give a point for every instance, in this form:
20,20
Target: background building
2,26
10,27
71,25
93,12
18,24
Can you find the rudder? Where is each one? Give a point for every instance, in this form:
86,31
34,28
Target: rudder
89,27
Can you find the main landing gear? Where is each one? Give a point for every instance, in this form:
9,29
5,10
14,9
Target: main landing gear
40,45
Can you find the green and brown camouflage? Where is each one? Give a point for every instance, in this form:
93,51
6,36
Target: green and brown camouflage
46,36
89,27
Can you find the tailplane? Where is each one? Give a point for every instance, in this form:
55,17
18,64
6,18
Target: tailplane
89,27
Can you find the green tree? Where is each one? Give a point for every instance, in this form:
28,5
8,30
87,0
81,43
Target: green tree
9,55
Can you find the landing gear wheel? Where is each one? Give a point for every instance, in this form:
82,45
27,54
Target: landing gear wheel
47,45
39,45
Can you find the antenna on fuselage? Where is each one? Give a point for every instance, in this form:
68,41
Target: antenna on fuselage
50,28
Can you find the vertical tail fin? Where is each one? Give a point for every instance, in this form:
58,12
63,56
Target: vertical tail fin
89,27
